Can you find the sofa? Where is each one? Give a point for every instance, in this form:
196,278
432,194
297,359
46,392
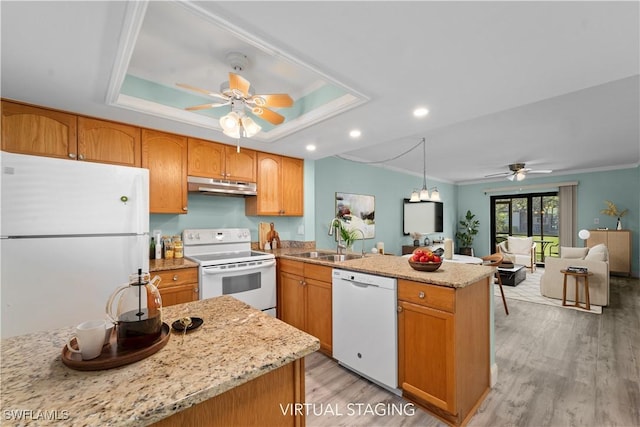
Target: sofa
596,259
519,250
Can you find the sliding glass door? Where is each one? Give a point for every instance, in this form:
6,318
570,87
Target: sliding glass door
526,215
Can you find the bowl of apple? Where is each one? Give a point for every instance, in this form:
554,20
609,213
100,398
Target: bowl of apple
424,260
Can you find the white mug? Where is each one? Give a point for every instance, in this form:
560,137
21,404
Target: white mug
90,337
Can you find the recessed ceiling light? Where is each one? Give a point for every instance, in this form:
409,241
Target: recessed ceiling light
311,147
355,133
420,112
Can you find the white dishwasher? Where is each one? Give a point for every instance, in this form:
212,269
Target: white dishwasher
365,329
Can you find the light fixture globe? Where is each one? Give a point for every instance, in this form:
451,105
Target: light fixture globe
584,234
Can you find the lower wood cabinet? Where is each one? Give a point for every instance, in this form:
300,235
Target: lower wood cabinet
305,300
443,347
178,286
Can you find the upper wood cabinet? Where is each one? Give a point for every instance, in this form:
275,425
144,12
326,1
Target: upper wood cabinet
108,142
43,132
38,131
219,161
280,187
165,155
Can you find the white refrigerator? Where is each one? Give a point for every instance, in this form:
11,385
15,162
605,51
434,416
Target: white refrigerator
71,233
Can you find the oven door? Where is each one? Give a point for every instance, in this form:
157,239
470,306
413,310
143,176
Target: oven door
252,282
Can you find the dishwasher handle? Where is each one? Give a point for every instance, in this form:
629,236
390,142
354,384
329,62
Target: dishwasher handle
360,284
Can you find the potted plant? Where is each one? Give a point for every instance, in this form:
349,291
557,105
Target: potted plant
347,235
612,210
468,229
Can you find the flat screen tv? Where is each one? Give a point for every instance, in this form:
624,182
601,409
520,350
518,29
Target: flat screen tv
422,217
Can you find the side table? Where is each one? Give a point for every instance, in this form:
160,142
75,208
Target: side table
576,277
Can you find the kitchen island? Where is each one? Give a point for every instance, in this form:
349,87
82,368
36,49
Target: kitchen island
238,355
443,324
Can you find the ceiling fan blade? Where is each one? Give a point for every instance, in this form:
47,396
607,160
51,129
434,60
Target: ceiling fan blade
268,115
273,100
206,92
498,174
540,171
210,105
239,83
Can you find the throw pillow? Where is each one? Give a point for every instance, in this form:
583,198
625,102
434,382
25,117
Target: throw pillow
573,253
519,245
598,253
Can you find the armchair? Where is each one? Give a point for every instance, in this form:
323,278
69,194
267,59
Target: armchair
519,250
595,259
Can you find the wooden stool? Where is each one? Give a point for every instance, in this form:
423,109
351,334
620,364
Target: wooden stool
576,277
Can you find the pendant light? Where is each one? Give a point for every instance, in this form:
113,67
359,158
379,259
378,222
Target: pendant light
423,195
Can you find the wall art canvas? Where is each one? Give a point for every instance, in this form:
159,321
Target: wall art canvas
357,211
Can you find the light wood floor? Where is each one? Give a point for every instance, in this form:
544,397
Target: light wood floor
556,367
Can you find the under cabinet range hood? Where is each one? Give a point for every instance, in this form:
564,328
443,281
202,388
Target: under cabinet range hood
221,187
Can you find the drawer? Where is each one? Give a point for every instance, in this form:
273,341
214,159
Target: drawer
290,266
318,272
181,276
438,297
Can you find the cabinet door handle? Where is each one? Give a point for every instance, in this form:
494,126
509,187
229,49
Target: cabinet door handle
72,155
399,309
185,209
175,277
421,295
81,157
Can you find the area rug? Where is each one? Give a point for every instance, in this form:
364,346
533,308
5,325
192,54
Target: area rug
529,291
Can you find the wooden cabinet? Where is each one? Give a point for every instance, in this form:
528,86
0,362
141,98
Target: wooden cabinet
165,155
178,286
280,183
304,299
219,161
38,131
443,347
43,132
108,142
618,243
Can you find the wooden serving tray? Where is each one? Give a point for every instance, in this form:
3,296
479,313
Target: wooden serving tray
112,356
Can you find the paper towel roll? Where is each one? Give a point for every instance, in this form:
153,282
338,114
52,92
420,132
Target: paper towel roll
448,248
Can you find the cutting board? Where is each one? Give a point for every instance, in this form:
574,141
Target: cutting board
263,231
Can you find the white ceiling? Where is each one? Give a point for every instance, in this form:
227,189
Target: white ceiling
553,84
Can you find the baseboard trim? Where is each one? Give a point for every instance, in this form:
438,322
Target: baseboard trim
494,375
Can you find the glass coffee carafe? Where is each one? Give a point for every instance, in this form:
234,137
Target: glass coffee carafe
138,311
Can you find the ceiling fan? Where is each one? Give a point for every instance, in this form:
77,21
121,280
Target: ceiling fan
238,94
518,172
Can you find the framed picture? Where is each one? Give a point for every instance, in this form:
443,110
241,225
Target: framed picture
357,211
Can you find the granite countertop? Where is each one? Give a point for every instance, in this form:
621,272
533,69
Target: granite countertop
450,274
235,344
164,264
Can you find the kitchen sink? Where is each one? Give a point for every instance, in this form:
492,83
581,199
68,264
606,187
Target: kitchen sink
327,257
339,257
313,254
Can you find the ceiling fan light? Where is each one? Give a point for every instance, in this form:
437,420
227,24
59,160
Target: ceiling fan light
230,122
435,194
250,127
424,194
520,176
415,197
233,133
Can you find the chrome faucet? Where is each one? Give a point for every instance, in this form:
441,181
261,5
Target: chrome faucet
361,232
335,223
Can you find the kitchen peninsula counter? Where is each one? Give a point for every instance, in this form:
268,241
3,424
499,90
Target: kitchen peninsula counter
237,346
450,274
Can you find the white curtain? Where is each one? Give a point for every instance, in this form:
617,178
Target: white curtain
568,215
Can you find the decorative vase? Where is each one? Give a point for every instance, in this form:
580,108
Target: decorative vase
619,225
